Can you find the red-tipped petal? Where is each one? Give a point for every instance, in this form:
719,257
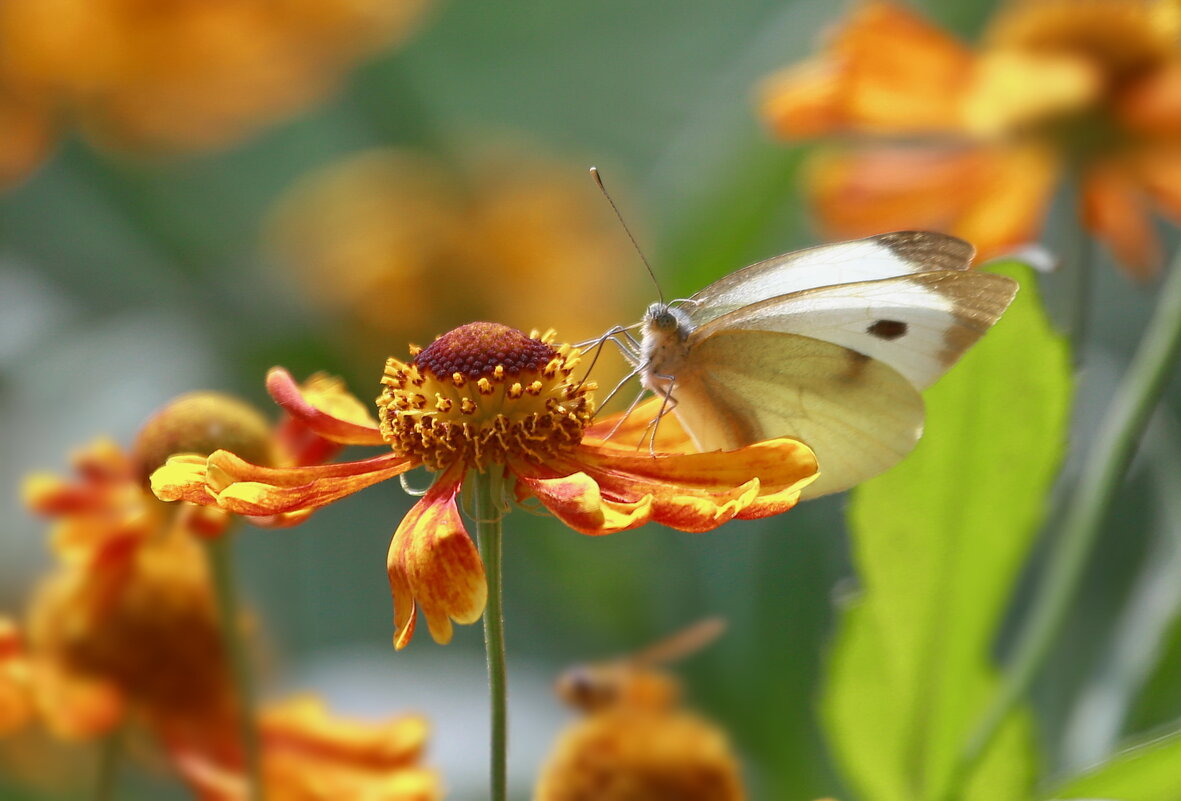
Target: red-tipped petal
298,403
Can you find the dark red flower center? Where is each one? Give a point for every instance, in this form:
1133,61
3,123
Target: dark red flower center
476,349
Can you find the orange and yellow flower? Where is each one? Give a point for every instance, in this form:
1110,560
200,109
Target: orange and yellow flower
974,142
488,398
635,741
126,629
166,76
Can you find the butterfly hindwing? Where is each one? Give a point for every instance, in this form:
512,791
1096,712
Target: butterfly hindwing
858,414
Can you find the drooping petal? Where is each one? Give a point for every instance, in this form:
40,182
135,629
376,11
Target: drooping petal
248,489
1116,211
433,564
326,409
577,501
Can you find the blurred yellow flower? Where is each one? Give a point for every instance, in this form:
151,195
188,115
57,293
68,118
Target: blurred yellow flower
308,755
635,742
486,397
178,75
371,239
973,142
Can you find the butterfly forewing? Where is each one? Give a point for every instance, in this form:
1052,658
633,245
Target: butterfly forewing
858,414
918,324
874,258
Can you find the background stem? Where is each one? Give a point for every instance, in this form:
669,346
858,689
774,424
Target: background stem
1100,478
219,554
109,757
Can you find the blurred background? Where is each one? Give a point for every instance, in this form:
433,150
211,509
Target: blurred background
336,187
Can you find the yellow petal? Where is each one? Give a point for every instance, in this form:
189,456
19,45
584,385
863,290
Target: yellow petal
434,566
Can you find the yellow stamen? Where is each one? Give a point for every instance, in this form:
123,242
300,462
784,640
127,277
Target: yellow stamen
498,395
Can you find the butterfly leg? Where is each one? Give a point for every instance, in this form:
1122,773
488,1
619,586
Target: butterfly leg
668,403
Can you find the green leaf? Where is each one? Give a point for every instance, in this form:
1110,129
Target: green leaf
1149,772
938,542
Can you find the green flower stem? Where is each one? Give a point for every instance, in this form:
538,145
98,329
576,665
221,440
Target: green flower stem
1115,445
220,557
109,757
489,533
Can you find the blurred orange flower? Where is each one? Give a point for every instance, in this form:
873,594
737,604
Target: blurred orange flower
486,397
973,142
369,238
179,75
635,742
308,755
126,629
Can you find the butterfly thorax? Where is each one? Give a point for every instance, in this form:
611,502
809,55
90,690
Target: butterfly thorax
664,346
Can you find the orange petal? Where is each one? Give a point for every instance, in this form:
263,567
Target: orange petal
635,431
885,70
182,478
1013,190
1159,172
16,698
433,564
249,489
610,490
803,101
995,197
325,408
1115,210
576,500
698,492
1152,106
76,707
47,494
302,726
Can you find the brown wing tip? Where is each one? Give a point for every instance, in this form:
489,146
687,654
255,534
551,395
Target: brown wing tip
940,251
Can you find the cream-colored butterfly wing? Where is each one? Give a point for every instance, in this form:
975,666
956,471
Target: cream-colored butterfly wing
918,324
858,414
873,258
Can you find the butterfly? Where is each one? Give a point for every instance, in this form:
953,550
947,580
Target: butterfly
831,345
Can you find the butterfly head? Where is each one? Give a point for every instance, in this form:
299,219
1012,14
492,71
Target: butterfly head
665,321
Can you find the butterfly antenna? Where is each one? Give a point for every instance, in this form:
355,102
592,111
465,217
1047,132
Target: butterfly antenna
594,171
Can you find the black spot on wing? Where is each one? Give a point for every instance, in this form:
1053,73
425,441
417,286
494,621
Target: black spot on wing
889,330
